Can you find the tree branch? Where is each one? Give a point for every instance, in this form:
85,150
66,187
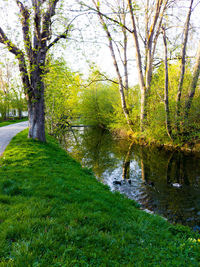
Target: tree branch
107,17
64,34
46,35
21,58
26,29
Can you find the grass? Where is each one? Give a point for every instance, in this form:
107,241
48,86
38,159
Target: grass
55,213
5,123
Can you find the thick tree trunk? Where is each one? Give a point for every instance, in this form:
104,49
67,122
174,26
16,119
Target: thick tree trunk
36,120
36,29
36,104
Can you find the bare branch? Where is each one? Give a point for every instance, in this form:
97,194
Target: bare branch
64,34
109,18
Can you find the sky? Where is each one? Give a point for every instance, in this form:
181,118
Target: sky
78,54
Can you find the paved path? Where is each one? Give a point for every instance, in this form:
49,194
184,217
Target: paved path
8,132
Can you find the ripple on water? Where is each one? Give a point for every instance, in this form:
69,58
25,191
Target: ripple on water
164,182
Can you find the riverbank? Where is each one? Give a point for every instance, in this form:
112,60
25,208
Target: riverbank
55,213
192,146
9,122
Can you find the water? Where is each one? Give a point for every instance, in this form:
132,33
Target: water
165,182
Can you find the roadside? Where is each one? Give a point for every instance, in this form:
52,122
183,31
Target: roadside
8,132
5,123
55,213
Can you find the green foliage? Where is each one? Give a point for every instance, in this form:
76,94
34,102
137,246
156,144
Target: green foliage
55,213
61,94
11,95
11,100
70,99
97,101
156,127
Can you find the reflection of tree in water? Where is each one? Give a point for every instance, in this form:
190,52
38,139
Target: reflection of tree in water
157,164
145,170
126,163
94,149
160,169
176,169
166,178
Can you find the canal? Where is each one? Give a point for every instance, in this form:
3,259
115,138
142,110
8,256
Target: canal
164,182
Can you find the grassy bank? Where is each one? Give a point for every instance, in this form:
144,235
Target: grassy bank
191,146
5,123
54,213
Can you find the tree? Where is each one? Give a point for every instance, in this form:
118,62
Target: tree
153,22
194,83
36,25
144,43
61,95
166,98
183,62
122,20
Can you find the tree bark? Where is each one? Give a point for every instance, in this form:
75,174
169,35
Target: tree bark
36,120
166,99
143,110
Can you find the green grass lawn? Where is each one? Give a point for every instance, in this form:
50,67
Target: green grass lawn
55,213
5,123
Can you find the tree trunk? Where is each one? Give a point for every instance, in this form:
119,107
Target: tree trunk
36,28
121,86
36,102
145,81
125,60
4,115
20,113
143,111
183,55
36,120
166,100
193,83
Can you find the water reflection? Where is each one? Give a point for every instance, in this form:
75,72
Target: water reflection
165,182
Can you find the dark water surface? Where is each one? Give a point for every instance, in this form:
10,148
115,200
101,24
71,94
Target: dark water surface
165,182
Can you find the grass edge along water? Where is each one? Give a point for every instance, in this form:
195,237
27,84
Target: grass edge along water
55,213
